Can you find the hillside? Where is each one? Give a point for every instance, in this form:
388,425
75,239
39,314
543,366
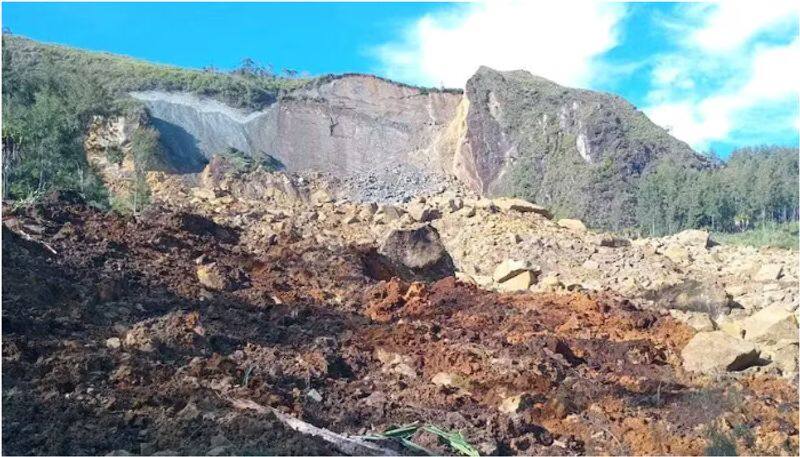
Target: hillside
340,266
118,75
583,154
578,151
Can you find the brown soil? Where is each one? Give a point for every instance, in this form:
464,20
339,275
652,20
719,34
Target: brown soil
593,374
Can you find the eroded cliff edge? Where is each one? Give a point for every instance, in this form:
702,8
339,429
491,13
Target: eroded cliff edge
349,124
508,133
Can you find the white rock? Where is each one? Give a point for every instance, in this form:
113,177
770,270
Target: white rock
113,343
572,224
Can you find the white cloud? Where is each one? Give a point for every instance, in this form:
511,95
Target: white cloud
557,40
725,70
731,24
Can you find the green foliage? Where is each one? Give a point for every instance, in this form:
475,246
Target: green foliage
755,188
781,235
45,113
250,86
404,433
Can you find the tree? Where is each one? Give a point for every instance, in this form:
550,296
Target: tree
144,146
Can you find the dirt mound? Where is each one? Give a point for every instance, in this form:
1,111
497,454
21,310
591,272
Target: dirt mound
111,344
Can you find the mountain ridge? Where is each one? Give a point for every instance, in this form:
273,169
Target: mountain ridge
507,133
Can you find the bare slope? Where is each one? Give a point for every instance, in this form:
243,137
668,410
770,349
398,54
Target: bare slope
344,125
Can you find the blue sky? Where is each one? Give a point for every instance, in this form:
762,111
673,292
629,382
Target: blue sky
717,75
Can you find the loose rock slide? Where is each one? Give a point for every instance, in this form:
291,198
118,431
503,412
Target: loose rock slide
147,334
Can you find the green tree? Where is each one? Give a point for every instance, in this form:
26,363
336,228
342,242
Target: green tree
144,146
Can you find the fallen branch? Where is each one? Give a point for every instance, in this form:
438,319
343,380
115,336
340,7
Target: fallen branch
13,226
345,444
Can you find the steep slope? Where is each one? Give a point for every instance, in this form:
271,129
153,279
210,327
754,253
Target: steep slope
342,125
577,151
511,133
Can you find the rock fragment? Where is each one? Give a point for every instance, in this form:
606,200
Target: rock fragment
417,253
717,352
521,206
113,343
422,213
211,277
572,224
520,282
769,272
508,269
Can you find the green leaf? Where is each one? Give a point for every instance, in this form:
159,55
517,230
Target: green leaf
455,440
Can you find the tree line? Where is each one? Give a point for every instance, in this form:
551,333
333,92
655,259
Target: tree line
755,186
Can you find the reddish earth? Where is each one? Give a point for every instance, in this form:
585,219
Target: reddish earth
305,329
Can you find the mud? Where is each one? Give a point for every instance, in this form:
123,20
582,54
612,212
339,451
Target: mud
112,345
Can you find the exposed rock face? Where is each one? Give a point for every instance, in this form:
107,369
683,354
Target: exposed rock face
342,125
510,133
107,146
576,150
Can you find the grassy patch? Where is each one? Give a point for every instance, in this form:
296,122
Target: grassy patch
783,236
249,87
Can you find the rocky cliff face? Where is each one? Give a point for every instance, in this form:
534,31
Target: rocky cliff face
108,150
343,125
578,151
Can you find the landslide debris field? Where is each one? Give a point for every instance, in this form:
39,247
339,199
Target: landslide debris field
166,334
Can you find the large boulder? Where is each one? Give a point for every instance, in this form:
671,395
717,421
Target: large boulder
520,282
769,272
417,254
677,253
422,213
508,269
717,352
519,205
783,355
692,295
572,224
694,238
771,324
